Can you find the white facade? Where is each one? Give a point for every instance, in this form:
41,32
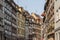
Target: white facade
57,13
57,19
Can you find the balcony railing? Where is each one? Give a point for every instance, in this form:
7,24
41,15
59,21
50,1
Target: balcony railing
14,25
51,32
7,32
34,33
21,35
14,16
7,21
13,34
10,13
20,27
36,27
50,29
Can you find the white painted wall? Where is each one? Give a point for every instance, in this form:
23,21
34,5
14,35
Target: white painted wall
57,14
57,17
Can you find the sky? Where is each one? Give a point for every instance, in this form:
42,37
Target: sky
36,6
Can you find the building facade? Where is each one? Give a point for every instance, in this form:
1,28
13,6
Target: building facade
26,24
43,28
1,21
57,19
49,23
8,14
21,24
34,27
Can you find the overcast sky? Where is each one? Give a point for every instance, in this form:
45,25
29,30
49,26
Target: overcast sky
36,6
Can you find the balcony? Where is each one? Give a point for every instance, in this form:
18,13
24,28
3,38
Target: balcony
7,21
14,21
51,29
34,33
7,32
8,12
14,12
15,26
20,35
21,27
14,16
13,34
50,7
51,18
38,28
52,32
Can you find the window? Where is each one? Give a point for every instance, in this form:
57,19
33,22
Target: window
14,21
0,6
7,16
8,6
58,14
7,27
56,10
51,1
